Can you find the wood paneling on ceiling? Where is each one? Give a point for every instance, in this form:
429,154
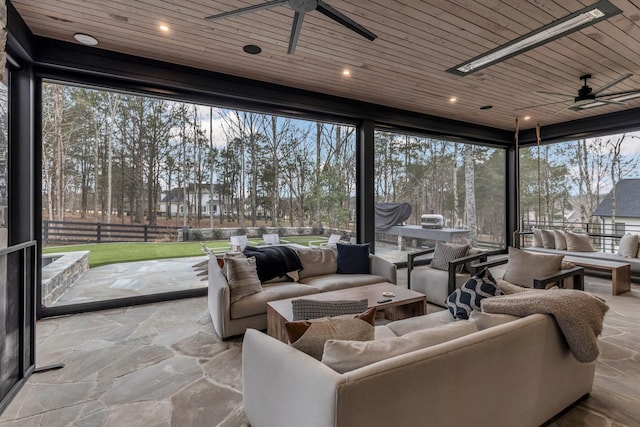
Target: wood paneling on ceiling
405,67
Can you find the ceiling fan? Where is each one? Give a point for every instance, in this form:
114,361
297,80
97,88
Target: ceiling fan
588,98
300,7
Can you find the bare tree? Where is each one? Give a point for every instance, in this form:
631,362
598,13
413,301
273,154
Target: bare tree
470,199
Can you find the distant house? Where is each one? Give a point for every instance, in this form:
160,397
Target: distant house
173,201
627,207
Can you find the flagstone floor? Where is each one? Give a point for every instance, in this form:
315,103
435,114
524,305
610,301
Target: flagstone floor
163,365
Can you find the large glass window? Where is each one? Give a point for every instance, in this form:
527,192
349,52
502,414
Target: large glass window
588,185
448,190
120,167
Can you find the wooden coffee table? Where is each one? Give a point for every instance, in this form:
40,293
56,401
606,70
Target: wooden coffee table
406,303
620,271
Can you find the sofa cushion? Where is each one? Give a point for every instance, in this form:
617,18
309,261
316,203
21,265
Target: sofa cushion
578,242
434,283
310,336
256,304
353,259
523,267
628,246
343,356
560,239
548,239
537,237
304,309
410,324
333,282
242,277
274,261
230,254
445,252
489,320
467,298
317,261
382,331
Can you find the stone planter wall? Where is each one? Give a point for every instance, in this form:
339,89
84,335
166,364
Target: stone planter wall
61,273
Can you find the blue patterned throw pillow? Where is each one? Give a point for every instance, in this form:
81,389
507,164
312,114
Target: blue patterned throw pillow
467,298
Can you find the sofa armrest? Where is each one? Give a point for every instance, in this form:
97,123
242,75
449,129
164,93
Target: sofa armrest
384,268
454,264
286,387
218,298
476,268
577,273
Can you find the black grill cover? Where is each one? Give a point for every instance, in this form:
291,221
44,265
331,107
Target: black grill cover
390,214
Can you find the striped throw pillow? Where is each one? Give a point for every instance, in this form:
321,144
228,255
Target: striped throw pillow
242,277
446,252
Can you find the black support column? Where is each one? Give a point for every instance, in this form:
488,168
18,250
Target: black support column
365,162
512,178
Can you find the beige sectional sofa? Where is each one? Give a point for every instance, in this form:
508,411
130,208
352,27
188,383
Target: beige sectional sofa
319,274
519,372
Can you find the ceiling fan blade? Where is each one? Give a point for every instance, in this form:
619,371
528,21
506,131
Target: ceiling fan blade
244,10
606,101
298,17
332,13
555,94
613,83
624,92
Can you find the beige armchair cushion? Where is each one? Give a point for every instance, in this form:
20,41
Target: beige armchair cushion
434,283
523,267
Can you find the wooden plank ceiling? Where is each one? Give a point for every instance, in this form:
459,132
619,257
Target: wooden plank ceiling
405,67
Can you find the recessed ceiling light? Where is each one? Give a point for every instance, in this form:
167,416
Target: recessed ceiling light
527,117
346,72
252,49
453,99
585,17
85,39
486,107
164,28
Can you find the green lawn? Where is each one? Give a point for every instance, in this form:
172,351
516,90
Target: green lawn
113,253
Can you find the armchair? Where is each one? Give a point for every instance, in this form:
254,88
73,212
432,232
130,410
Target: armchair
521,271
438,284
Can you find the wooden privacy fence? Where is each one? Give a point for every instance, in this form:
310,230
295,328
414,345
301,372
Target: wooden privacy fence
63,232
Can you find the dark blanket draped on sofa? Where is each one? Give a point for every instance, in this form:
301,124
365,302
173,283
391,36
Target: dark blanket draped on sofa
273,261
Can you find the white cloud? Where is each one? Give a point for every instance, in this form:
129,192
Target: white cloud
204,112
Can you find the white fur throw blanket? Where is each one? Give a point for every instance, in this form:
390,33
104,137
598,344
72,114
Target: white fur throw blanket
579,315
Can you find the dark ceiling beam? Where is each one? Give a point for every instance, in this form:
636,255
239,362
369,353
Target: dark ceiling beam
53,57
19,37
588,127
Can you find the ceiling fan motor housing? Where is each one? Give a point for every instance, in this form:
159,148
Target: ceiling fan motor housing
303,5
584,93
